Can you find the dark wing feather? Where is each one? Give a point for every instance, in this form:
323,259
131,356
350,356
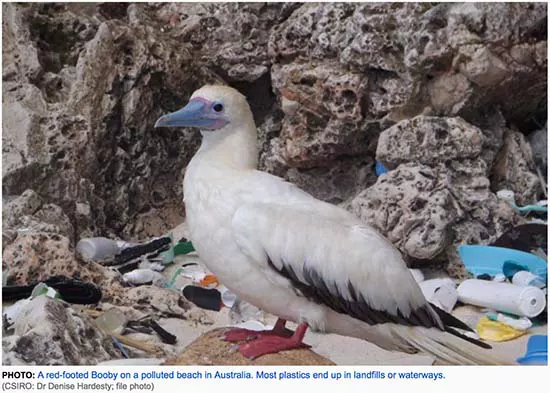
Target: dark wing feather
316,289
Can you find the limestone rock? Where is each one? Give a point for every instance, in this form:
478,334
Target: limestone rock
36,256
429,140
427,211
49,332
210,349
539,146
468,51
515,169
26,204
87,116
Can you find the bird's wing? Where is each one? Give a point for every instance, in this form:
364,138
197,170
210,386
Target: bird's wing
333,259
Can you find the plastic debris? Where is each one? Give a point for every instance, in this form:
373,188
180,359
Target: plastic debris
157,267
44,290
197,274
155,247
143,276
131,342
209,281
70,290
519,275
380,169
524,278
164,335
537,351
499,278
522,323
512,299
253,325
509,196
11,313
479,259
183,247
441,292
243,311
97,249
209,299
228,297
112,321
166,257
497,331
120,347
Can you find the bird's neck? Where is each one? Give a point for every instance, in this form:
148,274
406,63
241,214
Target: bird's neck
236,149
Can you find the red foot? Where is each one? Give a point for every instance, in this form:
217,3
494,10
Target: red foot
235,335
273,343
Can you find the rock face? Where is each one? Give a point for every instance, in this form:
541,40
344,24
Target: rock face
210,349
439,194
49,332
450,89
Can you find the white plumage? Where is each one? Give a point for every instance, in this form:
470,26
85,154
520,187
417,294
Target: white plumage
294,256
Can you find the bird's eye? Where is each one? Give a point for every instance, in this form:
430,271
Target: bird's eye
218,107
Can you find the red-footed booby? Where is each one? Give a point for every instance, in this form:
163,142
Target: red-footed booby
296,257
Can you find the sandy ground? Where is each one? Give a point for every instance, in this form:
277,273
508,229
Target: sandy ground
347,350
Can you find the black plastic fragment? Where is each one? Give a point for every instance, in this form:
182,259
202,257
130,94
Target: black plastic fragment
70,290
134,252
209,299
165,336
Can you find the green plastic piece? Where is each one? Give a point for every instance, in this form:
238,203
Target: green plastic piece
174,277
183,248
533,208
168,255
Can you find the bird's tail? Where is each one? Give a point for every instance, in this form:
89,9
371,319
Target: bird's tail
447,348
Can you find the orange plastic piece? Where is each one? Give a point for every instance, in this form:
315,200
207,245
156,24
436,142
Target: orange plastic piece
209,280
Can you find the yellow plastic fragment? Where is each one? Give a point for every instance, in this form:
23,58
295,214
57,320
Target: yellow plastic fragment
497,331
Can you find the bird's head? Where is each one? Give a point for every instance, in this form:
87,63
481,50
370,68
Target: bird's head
211,108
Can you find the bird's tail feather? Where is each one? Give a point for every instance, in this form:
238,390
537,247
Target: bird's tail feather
446,347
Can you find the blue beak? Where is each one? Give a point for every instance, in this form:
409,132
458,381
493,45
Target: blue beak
194,114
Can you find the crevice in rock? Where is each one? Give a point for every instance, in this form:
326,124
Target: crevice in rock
259,94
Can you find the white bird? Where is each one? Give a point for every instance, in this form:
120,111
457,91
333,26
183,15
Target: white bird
296,257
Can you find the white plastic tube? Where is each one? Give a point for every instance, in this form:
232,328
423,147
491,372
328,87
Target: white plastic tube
513,299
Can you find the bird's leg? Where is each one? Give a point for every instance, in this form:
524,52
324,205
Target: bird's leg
238,334
273,344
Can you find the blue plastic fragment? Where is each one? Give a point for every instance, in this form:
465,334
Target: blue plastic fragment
380,168
120,347
480,259
537,351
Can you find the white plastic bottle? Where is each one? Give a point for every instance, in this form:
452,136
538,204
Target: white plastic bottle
97,248
525,278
